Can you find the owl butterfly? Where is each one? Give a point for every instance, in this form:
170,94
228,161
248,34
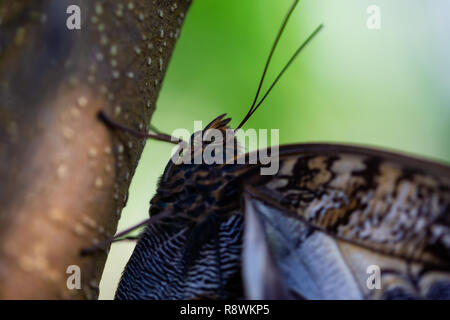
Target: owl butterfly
315,230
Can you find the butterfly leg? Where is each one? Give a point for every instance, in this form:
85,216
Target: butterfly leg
103,245
116,238
127,238
157,135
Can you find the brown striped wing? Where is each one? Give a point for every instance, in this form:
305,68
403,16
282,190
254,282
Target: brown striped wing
332,212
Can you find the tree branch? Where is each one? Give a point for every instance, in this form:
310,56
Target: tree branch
64,176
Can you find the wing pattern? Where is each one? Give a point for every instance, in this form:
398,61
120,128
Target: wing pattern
159,267
329,216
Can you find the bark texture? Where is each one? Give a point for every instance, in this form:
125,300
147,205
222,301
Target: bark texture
64,176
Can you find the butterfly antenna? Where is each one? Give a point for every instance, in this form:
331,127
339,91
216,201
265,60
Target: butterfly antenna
280,32
303,45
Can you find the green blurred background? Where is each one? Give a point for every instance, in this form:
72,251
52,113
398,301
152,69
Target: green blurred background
388,88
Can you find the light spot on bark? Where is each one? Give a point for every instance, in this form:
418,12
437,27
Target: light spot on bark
98,182
61,171
82,101
67,132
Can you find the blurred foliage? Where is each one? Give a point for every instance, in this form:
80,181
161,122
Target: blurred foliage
388,88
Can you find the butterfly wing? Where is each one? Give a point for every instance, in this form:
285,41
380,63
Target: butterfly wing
335,215
294,262
263,279
164,265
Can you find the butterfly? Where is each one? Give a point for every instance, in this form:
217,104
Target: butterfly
335,222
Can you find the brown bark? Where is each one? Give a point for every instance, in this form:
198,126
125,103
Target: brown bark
63,175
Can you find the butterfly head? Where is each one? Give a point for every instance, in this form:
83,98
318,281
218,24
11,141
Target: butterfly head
216,144
211,145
